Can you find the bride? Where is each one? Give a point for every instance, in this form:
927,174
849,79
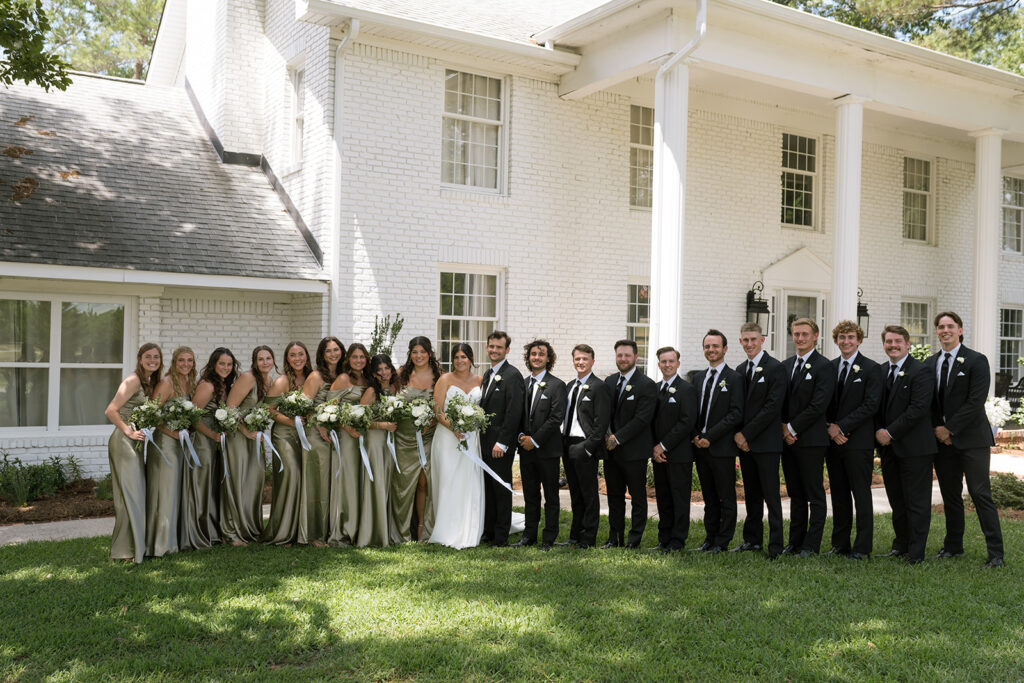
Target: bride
457,481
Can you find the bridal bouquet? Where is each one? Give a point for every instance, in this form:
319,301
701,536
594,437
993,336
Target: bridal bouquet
356,416
225,418
465,416
294,404
146,418
179,413
419,410
328,415
258,419
387,409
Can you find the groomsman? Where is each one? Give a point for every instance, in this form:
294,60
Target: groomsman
502,396
904,432
760,442
964,437
629,445
584,427
674,417
851,453
721,414
805,436
540,442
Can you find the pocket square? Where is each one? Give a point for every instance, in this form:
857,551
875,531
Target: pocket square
543,397
959,374
584,399
671,400
760,381
630,398
857,380
808,376
725,390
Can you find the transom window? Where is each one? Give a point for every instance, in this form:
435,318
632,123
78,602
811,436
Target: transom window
1011,332
641,156
472,130
914,317
297,106
799,171
1013,214
638,319
469,311
61,359
916,198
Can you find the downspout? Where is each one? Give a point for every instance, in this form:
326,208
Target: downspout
334,306
698,36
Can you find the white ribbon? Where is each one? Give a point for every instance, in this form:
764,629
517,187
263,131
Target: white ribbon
224,450
419,444
306,446
478,461
265,438
366,458
188,449
148,433
391,447
337,449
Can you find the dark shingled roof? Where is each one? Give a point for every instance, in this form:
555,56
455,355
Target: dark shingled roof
120,175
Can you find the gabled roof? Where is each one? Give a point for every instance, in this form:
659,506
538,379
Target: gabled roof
115,174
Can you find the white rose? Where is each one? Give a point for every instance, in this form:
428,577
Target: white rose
188,405
629,387
497,378
221,414
468,411
419,411
357,411
671,390
856,368
331,409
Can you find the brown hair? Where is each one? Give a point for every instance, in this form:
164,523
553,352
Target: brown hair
804,321
846,327
896,329
325,371
585,348
715,333
221,385
956,318
627,342
545,344
189,386
261,388
500,334
354,375
406,372
289,371
666,349
148,386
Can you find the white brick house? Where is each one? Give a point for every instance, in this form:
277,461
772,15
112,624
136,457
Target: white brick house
476,165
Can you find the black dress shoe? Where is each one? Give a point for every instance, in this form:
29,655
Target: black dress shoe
744,547
788,550
545,546
946,554
915,560
523,543
583,546
994,562
664,549
715,549
562,482
894,553
703,547
610,544
773,556
858,556
807,552
499,544
562,544
632,546
836,551
485,539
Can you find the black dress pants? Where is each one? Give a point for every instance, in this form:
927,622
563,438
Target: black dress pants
908,485
849,480
761,490
673,482
581,474
804,471
540,473
718,486
952,466
620,477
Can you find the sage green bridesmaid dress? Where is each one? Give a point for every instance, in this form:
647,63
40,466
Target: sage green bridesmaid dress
283,526
164,478
314,492
128,478
373,505
241,486
345,492
403,481
198,525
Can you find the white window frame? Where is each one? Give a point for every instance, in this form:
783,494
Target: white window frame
815,176
640,147
296,112
501,172
1014,369
1009,208
778,320
480,357
929,195
54,365
926,336
632,328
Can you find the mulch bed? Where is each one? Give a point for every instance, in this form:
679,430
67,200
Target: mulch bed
77,501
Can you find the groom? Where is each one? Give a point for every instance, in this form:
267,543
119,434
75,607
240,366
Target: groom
502,397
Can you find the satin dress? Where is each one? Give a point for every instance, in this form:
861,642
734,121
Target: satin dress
345,483
283,526
128,479
403,481
373,502
164,478
314,493
241,486
199,523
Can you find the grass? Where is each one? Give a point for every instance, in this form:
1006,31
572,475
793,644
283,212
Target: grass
424,612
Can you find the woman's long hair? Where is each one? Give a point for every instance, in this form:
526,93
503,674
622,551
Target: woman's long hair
183,386
261,388
221,385
375,363
406,373
148,385
355,375
289,371
466,349
326,374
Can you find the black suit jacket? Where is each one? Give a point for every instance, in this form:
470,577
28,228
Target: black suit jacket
966,391
675,414
504,398
632,413
862,394
544,421
725,414
593,407
906,408
807,398
762,405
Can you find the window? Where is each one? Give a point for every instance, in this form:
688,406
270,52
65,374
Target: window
60,360
638,319
914,317
1013,214
916,198
472,130
297,105
469,312
799,169
1011,331
641,156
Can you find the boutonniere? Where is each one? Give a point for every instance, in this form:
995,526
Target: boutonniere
901,373
629,387
807,366
586,387
959,359
542,385
722,384
758,369
856,368
497,378
671,390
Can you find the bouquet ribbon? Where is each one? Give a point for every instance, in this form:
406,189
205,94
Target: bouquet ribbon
188,449
263,437
365,457
423,454
306,446
337,449
148,433
390,441
478,461
224,451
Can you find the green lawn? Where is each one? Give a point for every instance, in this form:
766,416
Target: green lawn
423,612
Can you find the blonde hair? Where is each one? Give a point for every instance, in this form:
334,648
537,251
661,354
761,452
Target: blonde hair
183,387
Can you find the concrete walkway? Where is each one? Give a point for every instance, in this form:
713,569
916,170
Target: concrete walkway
103,526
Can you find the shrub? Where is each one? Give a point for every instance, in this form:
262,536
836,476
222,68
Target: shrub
20,483
105,488
1007,491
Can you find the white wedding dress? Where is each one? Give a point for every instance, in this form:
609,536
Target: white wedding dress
457,484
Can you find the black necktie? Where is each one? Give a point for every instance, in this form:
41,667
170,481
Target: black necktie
664,388
892,375
618,388
572,408
750,372
487,381
842,380
706,401
796,370
944,384
529,395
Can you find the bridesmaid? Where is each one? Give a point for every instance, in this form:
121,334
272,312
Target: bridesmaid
163,481
351,387
200,501
373,507
283,526
127,469
314,493
409,486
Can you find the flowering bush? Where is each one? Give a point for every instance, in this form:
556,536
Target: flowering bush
921,351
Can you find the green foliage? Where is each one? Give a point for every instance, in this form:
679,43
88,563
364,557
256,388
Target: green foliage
385,332
921,351
24,55
20,483
1007,491
105,488
111,37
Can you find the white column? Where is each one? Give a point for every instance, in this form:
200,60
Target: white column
846,217
988,181
671,95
